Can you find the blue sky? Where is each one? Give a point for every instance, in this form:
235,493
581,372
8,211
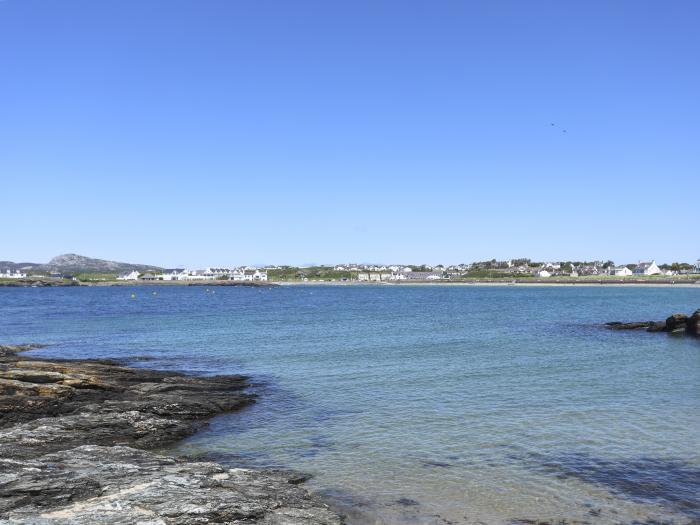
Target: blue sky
222,132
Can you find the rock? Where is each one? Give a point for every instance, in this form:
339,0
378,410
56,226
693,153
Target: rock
693,323
676,322
104,485
657,326
616,325
72,435
11,350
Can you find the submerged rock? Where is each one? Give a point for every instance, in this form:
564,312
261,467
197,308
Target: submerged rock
71,440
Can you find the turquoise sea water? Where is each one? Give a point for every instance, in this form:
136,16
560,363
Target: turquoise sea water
422,404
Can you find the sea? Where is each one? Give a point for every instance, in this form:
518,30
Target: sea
409,404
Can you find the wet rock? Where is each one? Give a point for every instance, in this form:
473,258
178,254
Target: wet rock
617,325
72,435
693,323
657,326
677,324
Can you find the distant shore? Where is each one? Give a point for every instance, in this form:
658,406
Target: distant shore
689,283
46,282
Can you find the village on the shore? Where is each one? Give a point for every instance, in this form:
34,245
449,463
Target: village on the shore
493,269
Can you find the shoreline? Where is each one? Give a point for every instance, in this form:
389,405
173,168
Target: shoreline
539,283
682,283
75,437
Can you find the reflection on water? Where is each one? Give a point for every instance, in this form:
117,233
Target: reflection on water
423,404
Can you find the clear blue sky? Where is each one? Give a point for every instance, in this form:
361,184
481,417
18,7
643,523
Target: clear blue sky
205,132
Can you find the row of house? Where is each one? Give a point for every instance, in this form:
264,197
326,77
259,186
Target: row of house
642,268
209,274
409,275
10,274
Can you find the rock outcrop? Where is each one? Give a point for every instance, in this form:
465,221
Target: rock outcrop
676,323
72,440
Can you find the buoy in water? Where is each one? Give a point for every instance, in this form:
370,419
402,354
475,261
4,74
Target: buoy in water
133,296
155,293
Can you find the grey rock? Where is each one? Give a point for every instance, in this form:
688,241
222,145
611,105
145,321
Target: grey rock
106,485
675,324
72,435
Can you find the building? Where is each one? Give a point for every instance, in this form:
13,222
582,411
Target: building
423,276
148,277
254,275
543,273
9,274
620,271
647,268
129,276
174,275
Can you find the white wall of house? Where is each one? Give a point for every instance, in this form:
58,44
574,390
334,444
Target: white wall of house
131,276
621,271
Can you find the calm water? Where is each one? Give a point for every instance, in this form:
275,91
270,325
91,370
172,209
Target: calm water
423,404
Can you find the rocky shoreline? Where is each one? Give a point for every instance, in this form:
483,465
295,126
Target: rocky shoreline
675,324
74,436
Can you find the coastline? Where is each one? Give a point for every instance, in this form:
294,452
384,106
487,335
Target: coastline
75,437
673,283
538,283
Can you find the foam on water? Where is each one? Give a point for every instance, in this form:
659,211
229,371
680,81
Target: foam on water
423,404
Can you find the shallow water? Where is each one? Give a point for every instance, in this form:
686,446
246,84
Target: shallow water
423,404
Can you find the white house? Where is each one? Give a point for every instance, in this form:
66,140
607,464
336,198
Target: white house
254,275
620,271
543,273
9,274
174,275
129,276
647,268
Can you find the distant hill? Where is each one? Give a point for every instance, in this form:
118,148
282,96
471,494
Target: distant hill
73,263
24,266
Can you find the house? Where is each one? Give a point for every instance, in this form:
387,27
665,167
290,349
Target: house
647,268
588,269
174,275
128,276
424,276
620,271
9,274
254,275
363,277
375,276
697,266
217,273
148,277
543,273
237,275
